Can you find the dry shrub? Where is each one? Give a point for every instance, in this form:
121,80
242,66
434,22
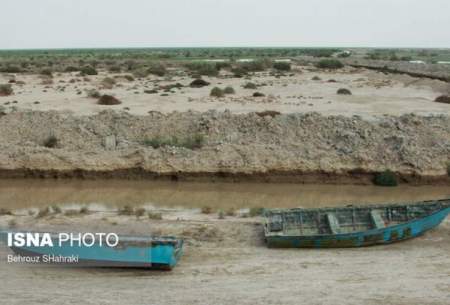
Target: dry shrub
198,83
126,211
106,99
271,113
4,211
344,91
206,210
443,99
154,216
6,89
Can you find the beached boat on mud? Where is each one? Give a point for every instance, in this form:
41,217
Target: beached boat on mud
130,251
351,226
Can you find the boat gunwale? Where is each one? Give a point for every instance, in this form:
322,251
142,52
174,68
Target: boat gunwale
356,233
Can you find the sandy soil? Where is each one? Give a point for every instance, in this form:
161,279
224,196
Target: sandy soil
374,93
226,262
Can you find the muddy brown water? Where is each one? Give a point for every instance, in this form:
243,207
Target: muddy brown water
21,194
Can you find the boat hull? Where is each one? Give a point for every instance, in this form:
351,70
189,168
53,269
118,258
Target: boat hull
132,253
385,235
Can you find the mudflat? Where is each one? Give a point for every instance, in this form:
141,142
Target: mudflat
224,255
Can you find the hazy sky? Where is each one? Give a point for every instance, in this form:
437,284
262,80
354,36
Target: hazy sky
150,23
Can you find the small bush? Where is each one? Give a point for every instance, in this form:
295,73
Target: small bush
88,70
217,92
448,169
51,142
316,78
256,211
157,69
198,83
56,209
254,66
47,72
126,211
115,69
221,214
139,212
43,212
250,85
386,178
129,77
106,99
343,91
329,64
152,91
71,69
206,210
229,90
239,72
203,68
10,69
258,94
443,99
108,83
194,142
6,89
93,93
282,66
4,211
270,113
140,73
84,210
154,216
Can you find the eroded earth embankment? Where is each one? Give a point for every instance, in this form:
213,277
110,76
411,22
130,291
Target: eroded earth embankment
287,147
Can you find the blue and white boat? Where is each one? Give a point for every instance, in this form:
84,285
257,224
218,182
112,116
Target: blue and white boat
352,226
130,252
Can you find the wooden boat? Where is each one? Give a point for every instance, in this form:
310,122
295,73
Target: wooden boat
351,226
131,252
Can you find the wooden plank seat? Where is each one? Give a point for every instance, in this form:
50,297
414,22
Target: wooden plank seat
377,220
333,223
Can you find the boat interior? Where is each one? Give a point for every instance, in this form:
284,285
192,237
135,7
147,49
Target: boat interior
349,219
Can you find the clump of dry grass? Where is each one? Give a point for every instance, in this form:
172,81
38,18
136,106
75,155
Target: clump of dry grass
126,211
56,209
51,142
250,85
43,212
206,210
6,89
12,223
154,215
256,211
139,212
108,83
231,212
4,211
217,92
271,113
93,93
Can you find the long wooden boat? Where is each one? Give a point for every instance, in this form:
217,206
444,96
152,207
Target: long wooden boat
351,226
160,253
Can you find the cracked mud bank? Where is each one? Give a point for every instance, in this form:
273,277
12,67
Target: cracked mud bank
288,147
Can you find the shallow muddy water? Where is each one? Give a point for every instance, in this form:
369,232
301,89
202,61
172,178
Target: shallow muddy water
18,194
